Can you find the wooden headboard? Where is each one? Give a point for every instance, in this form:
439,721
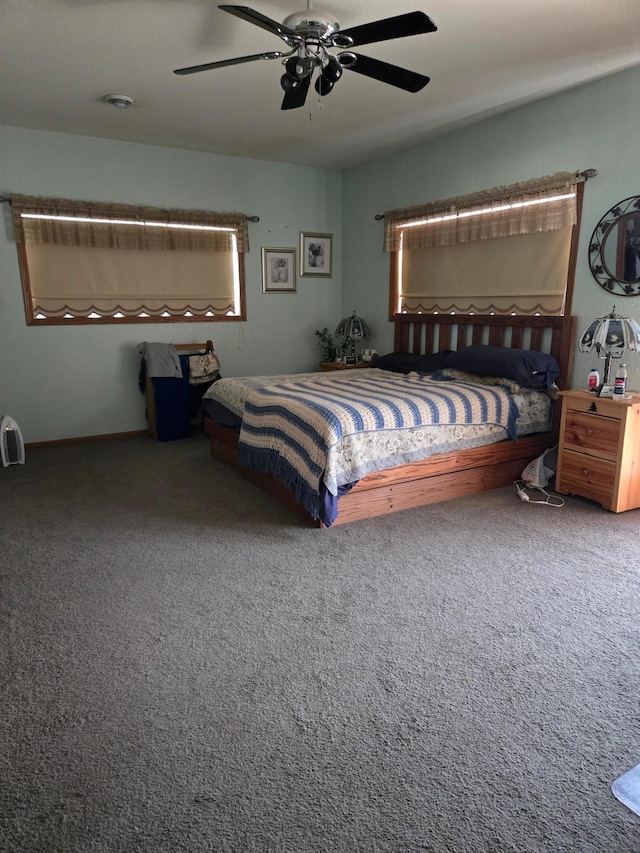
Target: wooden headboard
427,333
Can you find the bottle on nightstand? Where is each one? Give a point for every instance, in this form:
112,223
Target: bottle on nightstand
594,380
621,381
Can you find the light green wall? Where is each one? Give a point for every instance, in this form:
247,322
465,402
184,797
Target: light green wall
81,381
593,126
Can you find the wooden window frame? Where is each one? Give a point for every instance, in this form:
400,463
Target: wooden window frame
394,281
199,224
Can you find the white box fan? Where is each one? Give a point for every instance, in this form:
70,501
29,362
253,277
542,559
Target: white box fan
11,443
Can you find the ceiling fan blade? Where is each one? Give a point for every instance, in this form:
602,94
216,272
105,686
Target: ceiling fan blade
296,98
260,20
411,24
386,73
194,69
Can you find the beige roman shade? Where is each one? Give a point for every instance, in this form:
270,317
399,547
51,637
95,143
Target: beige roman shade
505,250
87,259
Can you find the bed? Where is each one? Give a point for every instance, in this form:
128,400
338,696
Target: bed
441,469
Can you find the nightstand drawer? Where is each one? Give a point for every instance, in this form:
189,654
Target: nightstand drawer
593,434
607,407
587,476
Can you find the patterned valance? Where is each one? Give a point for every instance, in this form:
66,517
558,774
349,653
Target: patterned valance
97,225
542,204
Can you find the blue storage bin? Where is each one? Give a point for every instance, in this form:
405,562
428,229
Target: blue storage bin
168,405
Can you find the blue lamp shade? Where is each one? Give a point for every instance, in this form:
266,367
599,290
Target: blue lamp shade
352,328
610,336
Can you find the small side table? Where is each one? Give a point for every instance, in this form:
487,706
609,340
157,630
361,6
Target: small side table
338,365
599,449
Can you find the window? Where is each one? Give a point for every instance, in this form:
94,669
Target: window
509,250
85,262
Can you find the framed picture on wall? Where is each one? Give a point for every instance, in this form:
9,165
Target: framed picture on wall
315,254
278,270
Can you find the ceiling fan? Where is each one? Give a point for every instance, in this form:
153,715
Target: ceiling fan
311,35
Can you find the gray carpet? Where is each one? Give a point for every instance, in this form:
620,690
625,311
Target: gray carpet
185,666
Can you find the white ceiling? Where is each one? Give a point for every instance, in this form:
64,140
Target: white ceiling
59,57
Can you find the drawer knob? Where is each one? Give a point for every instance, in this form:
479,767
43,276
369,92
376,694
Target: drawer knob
585,472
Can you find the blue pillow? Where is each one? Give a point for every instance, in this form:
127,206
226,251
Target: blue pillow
532,369
407,362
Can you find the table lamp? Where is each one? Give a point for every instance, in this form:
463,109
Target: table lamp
350,330
610,336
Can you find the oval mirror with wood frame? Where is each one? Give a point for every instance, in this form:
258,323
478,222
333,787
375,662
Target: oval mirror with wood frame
614,249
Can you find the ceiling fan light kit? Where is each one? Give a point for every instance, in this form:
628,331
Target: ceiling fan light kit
323,86
311,36
332,71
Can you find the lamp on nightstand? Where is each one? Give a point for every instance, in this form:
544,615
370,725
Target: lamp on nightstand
610,336
350,330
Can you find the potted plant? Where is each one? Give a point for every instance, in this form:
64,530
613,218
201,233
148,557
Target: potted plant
328,344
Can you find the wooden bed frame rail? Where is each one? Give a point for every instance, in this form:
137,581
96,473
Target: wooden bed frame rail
433,480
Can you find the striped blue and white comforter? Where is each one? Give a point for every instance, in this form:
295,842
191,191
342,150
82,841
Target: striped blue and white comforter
294,430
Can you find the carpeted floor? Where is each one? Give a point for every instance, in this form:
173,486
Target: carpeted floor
184,666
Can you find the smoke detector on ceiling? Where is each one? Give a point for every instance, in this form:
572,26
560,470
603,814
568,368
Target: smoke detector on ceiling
119,101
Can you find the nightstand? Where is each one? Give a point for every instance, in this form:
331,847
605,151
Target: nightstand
338,365
599,449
